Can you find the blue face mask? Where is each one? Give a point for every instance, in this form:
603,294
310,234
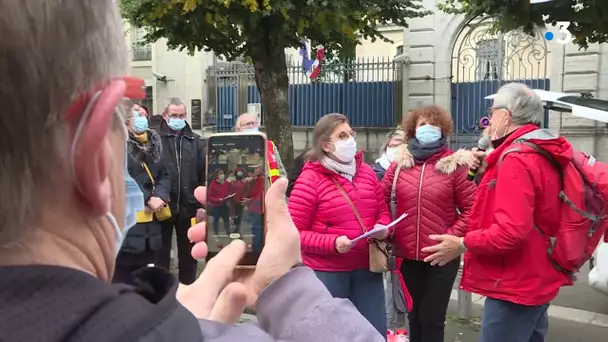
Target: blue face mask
134,202
177,124
252,130
140,124
428,134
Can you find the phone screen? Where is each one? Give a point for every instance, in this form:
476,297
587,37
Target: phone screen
236,184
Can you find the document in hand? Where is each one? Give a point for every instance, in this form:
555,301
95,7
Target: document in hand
379,229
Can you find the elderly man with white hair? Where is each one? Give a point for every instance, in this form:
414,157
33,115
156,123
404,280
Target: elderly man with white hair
515,211
68,202
248,122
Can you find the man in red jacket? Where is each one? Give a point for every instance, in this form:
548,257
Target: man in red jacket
505,257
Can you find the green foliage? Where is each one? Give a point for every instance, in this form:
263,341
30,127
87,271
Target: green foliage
587,17
254,27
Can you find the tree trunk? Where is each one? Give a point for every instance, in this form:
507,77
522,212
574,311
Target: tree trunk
273,85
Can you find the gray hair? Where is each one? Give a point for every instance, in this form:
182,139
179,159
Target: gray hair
524,104
50,52
238,120
396,133
174,101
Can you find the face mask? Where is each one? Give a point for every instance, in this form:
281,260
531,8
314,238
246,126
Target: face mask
140,124
390,153
240,174
345,149
221,178
177,124
497,137
428,134
134,202
252,130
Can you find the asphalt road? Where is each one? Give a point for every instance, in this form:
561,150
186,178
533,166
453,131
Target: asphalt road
579,296
559,330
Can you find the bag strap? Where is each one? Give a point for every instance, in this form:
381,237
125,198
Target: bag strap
145,166
393,198
351,204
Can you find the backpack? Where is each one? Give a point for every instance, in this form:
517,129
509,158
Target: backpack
583,221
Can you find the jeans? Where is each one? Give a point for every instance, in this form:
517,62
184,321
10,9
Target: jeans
223,213
395,319
504,321
365,290
430,288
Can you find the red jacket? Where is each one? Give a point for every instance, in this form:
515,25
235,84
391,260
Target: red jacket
430,194
239,188
321,214
217,191
255,191
507,258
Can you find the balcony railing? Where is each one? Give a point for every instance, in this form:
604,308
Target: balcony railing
142,53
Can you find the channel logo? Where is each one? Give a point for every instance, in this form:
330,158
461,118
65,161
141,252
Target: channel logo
560,33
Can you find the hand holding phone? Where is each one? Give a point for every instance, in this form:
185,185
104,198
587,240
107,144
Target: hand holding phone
227,154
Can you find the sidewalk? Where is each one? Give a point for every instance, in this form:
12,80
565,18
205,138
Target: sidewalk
559,330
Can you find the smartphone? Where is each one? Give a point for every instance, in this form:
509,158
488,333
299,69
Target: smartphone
236,188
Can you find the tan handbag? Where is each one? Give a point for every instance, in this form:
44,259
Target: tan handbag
378,250
164,213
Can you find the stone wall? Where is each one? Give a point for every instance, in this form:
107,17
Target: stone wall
429,43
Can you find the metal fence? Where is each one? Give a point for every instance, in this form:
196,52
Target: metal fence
142,52
367,91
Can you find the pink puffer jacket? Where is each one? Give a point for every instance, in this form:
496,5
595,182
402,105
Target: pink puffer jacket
321,214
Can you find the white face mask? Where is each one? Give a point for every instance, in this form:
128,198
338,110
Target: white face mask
345,149
221,178
390,153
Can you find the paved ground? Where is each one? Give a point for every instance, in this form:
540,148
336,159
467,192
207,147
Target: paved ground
580,296
559,330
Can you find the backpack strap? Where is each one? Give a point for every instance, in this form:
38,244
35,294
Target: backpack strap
393,198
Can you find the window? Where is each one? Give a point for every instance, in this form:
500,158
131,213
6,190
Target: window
489,59
399,50
141,50
148,101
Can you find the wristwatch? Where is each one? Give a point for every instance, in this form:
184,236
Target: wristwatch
463,248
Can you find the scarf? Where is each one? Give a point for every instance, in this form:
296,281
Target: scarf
345,170
422,152
384,161
141,138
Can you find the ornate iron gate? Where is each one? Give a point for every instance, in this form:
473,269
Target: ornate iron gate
484,60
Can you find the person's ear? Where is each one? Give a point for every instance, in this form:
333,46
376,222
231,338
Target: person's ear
94,152
327,146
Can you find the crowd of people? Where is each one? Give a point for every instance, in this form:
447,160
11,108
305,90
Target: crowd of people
95,189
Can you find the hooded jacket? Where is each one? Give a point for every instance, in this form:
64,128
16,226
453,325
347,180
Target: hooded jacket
58,304
322,214
507,258
436,196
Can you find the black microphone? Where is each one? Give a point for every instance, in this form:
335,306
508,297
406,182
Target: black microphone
482,145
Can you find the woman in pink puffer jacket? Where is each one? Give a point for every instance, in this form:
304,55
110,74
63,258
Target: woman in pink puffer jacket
327,223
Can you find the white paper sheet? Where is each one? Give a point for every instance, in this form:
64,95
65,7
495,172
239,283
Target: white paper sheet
378,229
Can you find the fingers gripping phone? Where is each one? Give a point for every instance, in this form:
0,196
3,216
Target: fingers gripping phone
236,187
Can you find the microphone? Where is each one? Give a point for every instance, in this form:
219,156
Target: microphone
482,145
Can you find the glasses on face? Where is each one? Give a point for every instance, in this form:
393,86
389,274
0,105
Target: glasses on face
492,110
345,135
177,116
249,124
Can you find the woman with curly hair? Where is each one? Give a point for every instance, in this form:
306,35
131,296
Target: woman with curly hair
428,181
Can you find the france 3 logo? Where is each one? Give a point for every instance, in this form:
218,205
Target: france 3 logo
559,33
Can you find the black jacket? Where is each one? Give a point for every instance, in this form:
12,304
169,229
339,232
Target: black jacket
58,304
184,156
149,153
298,164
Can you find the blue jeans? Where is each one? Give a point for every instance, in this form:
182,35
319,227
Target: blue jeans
257,230
504,321
365,290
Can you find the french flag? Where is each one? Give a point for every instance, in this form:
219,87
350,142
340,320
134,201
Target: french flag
311,67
